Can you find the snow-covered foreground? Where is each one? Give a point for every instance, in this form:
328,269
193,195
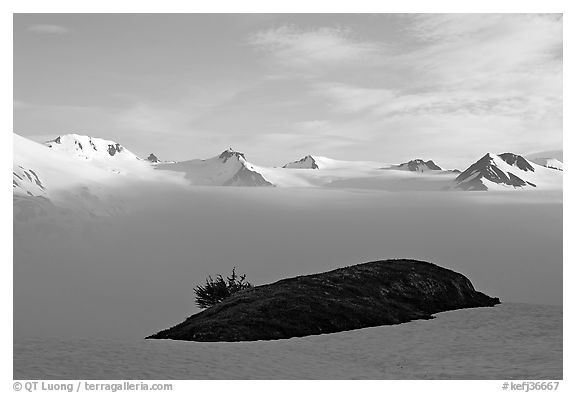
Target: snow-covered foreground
510,341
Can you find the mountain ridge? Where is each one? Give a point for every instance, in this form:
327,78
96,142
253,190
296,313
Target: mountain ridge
90,148
307,162
500,171
72,160
418,165
229,168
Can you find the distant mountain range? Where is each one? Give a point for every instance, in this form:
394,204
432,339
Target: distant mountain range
87,171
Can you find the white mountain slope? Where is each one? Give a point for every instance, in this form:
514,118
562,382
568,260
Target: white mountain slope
85,178
96,175
325,163
506,171
44,178
552,163
333,173
332,164
326,170
26,182
55,170
90,148
230,168
550,159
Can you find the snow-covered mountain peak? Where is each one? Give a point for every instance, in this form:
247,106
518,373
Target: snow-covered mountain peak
230,168
489,170
511,159
419,165
231,153
307,162
487,159
506,170
83,146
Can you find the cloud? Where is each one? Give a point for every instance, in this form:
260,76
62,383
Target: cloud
143,117
430,85
353,99
175,109
386,102
484,50
464,85
48,29
299,48
466,67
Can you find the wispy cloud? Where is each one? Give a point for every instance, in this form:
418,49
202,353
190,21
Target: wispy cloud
354,99
386,102
296,47
431,85
498,76
484,51
145,118
48,29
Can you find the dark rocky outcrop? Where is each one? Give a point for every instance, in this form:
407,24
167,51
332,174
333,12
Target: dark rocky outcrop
369,294
516,160
152,158
115,148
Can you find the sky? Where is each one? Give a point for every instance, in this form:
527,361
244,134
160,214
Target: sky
381,87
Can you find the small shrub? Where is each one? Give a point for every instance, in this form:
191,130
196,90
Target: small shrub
220,288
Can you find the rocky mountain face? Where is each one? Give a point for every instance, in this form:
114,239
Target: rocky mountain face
369,294
506,169
418,165
307,162
517,161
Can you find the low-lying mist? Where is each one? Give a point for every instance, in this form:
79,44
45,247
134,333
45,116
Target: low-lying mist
134,274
